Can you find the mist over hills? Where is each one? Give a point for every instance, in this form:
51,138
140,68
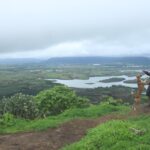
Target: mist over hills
79,60
19,61
99,60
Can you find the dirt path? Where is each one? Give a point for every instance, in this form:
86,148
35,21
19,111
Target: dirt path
56,138
51,139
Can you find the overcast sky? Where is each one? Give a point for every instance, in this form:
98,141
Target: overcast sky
50,28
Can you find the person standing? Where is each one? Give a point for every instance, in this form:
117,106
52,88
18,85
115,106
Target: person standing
147,82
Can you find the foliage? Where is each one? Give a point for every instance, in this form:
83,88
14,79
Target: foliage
116,135
29,78
111,100
97,95
93,111
58,99
19,105
7,119
114,79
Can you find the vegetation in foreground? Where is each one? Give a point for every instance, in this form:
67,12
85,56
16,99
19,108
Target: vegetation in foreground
48,102
17,116
9,124
131,134
49,108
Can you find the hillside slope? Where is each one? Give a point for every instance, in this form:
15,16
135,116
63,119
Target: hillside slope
72,131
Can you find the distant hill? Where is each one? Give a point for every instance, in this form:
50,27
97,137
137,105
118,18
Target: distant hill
19,61
99,60
79,60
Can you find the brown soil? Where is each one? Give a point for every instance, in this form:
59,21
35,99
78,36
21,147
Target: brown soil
56,138
51,139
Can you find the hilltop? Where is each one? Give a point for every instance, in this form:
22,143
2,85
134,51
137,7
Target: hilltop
57,118
126,128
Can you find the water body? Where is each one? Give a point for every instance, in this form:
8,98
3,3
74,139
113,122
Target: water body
94,82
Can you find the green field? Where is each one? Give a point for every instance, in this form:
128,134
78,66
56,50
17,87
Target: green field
30,78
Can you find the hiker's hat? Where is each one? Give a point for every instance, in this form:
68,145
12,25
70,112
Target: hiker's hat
146,72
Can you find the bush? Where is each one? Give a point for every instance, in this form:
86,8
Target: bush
112,101
7,119
58,99
19,105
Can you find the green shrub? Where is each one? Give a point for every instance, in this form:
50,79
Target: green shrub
7,119
112,101
58,99
19,105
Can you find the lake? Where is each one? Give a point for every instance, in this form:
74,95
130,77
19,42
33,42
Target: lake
94,82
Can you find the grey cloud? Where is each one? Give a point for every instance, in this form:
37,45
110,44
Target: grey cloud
38,25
